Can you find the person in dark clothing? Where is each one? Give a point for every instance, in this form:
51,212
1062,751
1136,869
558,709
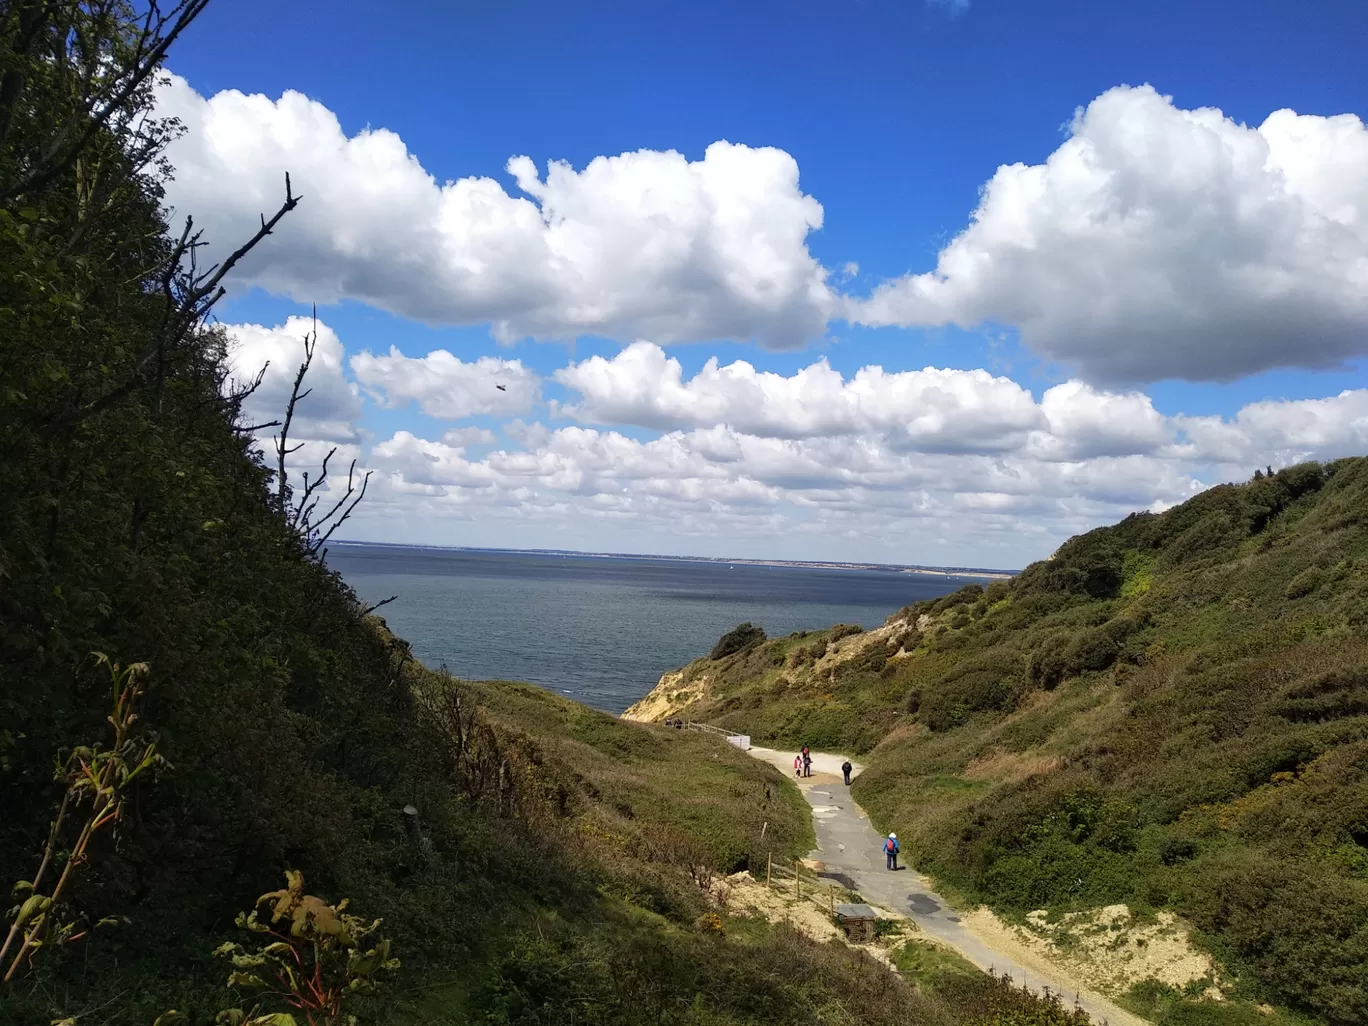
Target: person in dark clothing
807,763
846,767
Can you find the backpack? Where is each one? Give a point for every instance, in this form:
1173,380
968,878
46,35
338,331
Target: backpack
890,845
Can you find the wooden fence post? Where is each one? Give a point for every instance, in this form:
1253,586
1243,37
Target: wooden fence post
769,868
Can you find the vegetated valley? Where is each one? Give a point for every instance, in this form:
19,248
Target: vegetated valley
1170,713
194,710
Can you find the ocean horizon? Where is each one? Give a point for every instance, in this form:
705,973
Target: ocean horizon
602,628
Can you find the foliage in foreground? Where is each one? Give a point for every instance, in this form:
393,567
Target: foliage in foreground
100,778
1171,712
313,959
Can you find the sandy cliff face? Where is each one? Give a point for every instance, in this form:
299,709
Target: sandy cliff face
669,697
695,684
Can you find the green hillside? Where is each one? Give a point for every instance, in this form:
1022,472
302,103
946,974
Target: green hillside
1171,712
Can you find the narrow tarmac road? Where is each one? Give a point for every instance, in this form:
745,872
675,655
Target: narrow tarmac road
851,851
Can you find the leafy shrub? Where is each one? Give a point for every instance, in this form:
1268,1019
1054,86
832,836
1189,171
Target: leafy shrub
318,958
1089,565
907,639
1298,925
844,630
1207,538
739,637
1049,663
997,591
872,660
964,596
984,683
1305,582
1331,695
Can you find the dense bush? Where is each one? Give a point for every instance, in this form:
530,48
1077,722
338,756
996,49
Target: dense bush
992,681
740,637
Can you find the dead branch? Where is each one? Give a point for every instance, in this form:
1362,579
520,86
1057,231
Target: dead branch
383,602
342,504
282,440
189,296
300,508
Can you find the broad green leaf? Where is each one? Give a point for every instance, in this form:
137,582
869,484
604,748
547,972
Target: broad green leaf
35,904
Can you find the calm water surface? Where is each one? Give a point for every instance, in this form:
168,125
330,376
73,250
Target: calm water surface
603,630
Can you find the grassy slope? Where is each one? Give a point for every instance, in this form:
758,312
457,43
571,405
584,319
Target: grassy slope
638,809
637,781
1171,712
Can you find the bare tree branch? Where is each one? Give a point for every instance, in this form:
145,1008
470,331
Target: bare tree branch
383,602
307,502
345,514
247,429
282,440
300,506
189,297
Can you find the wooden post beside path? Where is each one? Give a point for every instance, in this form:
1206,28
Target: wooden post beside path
769,868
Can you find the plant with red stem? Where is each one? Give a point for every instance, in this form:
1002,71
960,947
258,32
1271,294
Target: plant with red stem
104,778
315,958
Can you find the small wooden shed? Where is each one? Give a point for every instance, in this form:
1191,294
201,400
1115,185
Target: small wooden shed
857,921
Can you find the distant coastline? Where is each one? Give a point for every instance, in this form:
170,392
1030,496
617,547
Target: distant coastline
983,573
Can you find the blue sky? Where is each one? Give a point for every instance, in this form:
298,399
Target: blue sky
897,116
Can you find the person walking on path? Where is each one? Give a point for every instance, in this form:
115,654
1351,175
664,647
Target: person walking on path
846,767
807,763
891,851
797,766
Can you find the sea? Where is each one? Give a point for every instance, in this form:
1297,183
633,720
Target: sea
603,629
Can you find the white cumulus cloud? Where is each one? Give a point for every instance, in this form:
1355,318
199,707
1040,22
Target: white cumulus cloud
1282,431
933,410
939,410
933,465
446,386
645,243
329,413
1159,242
774,485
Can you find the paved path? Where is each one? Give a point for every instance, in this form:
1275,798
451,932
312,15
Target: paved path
851,851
